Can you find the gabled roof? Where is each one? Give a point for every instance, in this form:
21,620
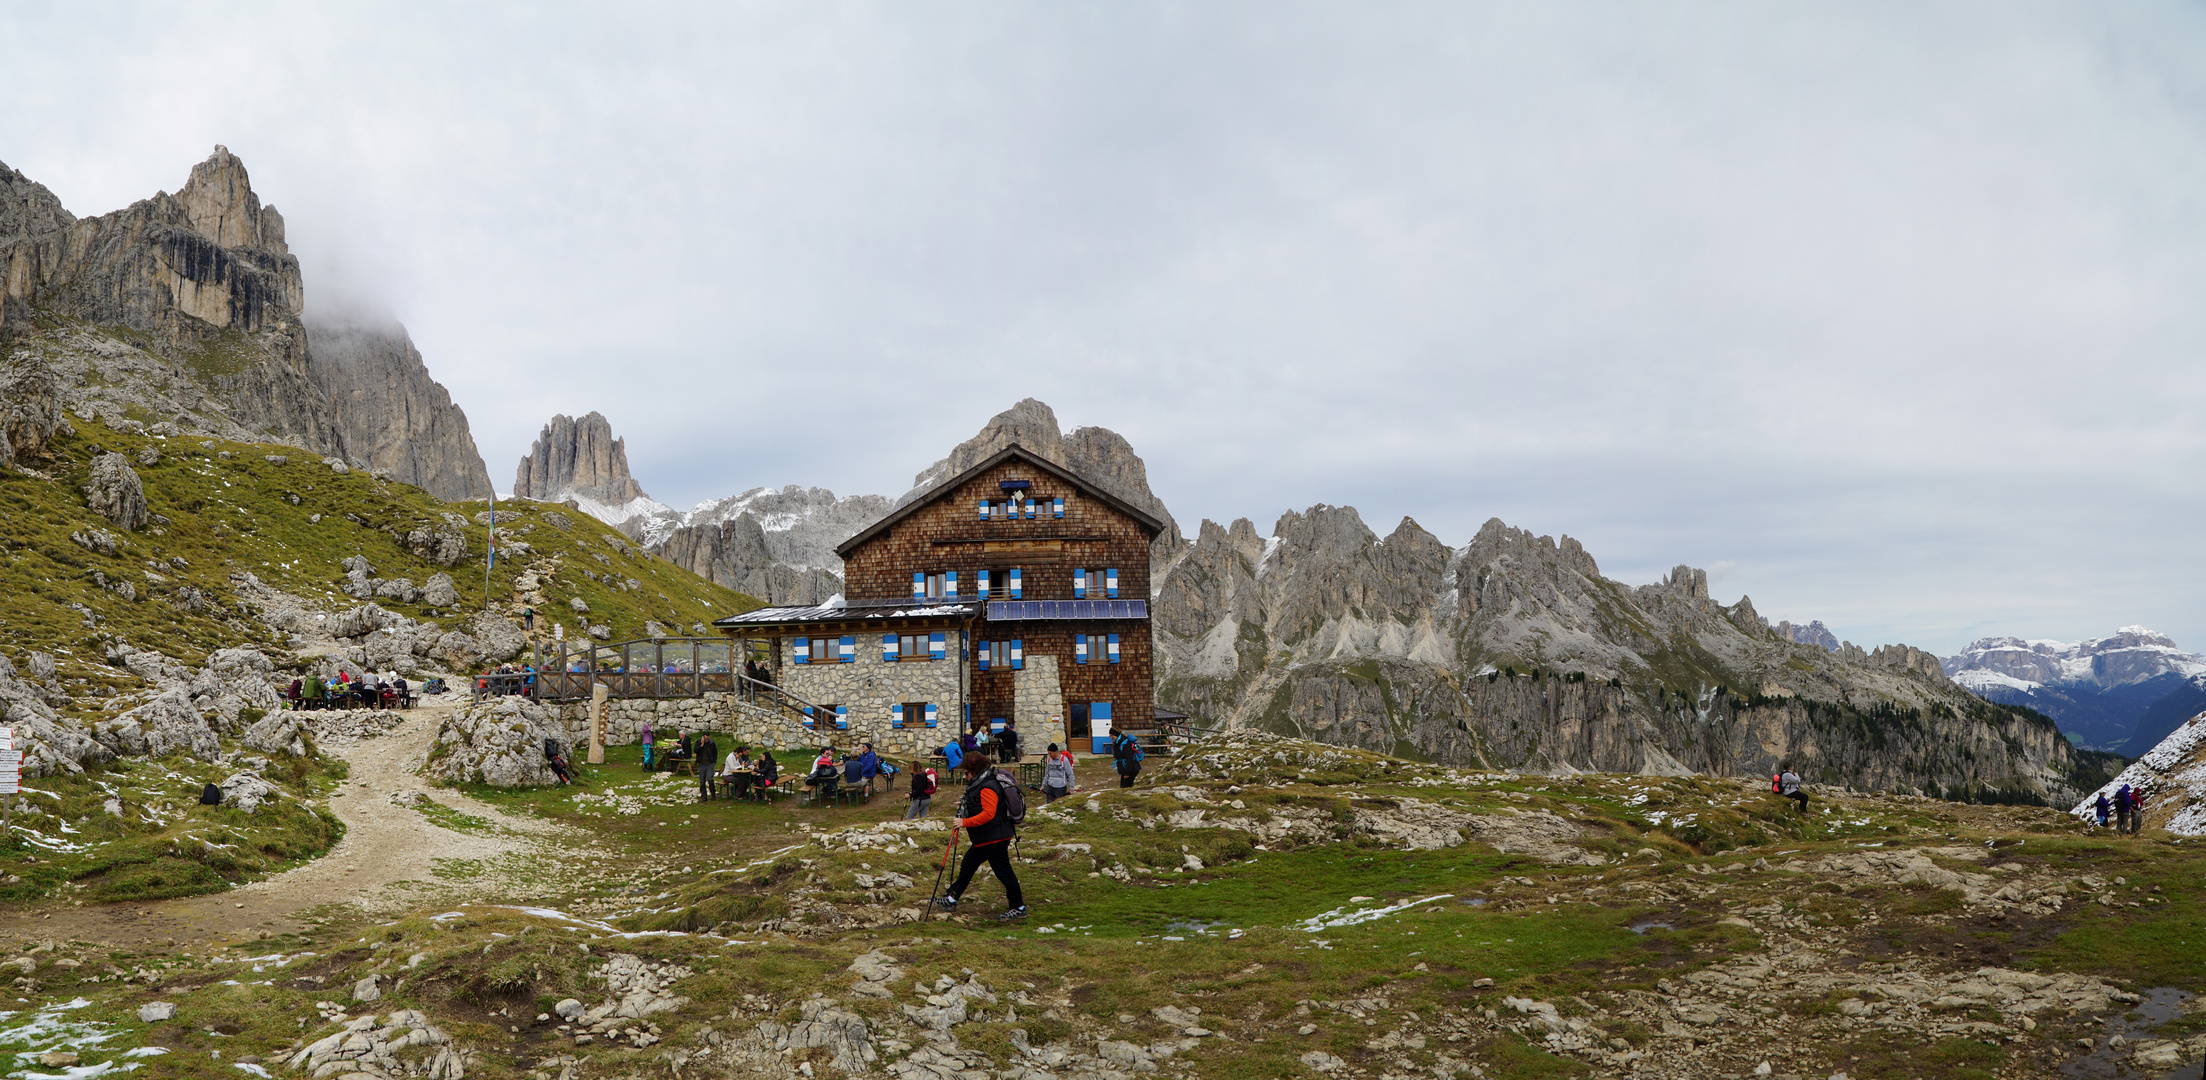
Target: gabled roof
1141,517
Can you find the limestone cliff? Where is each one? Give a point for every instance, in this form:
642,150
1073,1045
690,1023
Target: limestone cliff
202,277
393,415
1514,651
581,459
189,309
736,553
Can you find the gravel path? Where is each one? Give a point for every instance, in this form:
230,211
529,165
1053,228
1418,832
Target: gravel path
388,859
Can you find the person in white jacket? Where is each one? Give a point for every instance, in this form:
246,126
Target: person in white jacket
1056,774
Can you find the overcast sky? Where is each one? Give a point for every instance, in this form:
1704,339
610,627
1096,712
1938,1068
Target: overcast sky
1886,314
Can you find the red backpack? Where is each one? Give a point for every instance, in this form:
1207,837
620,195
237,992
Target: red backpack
1777,783
931,786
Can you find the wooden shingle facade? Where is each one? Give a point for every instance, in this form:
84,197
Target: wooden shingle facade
1032,582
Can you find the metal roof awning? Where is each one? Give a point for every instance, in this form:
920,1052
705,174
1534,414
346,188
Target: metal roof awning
783,616
1016,610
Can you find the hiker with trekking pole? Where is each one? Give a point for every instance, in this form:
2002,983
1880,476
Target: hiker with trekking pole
991,810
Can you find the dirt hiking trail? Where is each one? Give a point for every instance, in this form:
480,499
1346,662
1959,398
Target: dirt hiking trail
389,857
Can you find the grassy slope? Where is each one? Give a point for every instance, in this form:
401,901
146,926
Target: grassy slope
244,513
227,515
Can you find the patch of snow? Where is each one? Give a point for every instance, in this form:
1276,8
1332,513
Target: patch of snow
1979,679
1342,916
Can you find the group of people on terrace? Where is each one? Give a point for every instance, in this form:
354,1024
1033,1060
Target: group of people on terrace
385,690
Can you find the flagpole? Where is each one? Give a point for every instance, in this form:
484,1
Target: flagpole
492,560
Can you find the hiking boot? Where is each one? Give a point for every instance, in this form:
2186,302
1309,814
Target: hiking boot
945,903
1013,915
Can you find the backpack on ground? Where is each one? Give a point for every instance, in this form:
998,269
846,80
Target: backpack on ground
1013,806
928,788
551,748
211,796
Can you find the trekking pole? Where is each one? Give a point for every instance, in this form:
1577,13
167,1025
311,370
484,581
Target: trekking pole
946,850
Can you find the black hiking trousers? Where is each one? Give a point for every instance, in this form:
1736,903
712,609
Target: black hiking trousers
998,858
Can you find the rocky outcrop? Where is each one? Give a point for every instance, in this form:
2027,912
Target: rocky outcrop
499,742
189,308
736,554
30,408
1814,633
577,458
205,277
392,415
114,492
1513,651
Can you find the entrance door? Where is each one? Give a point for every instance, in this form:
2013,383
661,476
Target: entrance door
1099,726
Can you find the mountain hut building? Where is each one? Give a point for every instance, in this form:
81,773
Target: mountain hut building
1015,591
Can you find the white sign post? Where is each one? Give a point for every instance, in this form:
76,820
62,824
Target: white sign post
11,775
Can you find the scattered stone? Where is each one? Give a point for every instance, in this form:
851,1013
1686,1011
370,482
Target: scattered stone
115,493
153,1012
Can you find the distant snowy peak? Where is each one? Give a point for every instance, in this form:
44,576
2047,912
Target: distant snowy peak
2132,654
615,515
802,525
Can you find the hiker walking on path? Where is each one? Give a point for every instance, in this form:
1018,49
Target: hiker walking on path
648,737
1056,774
923,789
989,813
2121,810
1125,757
708,755
1790,786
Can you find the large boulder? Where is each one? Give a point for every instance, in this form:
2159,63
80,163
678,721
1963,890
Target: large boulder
165,725
276,733
50,744
360,621
233,681
30,407
114,492
439,591
499,742
247,791
498,639
445,546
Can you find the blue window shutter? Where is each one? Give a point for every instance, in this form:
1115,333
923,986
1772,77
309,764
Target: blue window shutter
1018,655
1110,584
1014,583
949,585
896,716
932,712
984,509
802,650
888,648
1057,506
1079,648
919,585
1079,584
982,656
842,718
1033,507
1114,648
935,646
847,650
980,584
809,720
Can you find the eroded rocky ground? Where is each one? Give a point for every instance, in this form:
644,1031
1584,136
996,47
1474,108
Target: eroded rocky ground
1259,907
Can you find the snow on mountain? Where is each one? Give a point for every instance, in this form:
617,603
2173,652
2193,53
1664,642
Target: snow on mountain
2172,776
2098,689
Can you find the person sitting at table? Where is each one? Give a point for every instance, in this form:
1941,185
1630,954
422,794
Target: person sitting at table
682,750
767,772
824,776
400,692
735,773
310,692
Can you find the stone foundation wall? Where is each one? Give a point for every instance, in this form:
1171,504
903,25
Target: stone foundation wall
734,721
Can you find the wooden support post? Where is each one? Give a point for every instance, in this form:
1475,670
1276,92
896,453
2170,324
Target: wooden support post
599,693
